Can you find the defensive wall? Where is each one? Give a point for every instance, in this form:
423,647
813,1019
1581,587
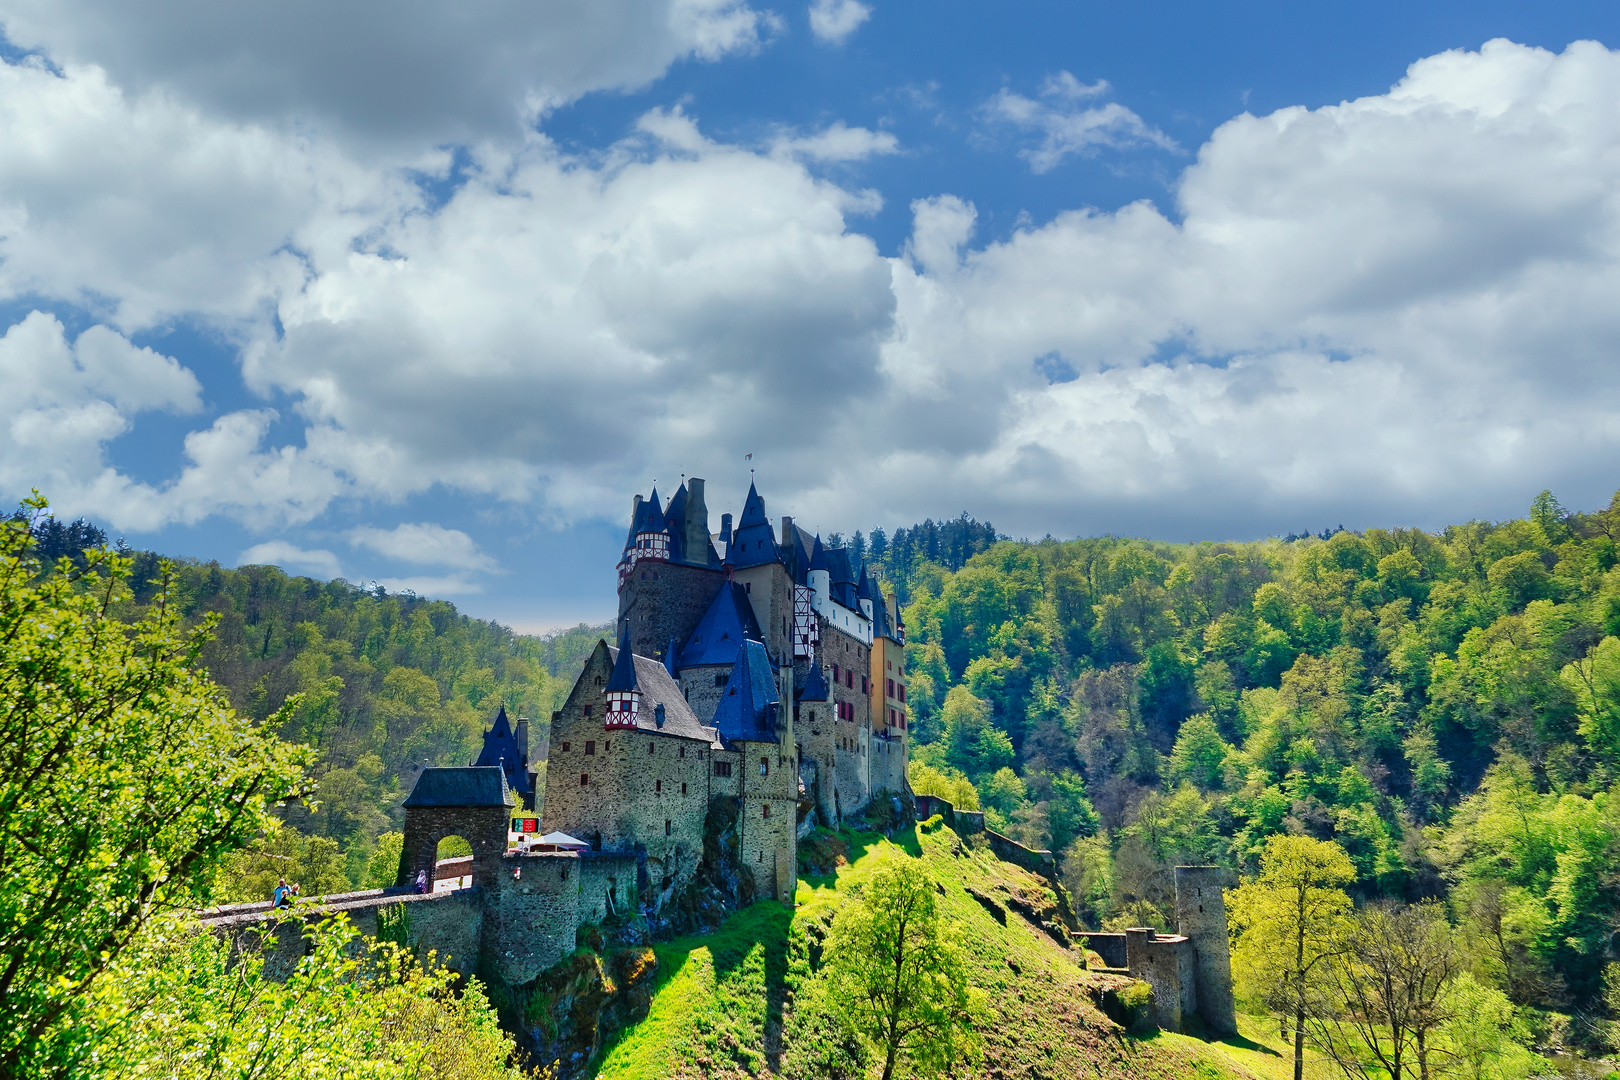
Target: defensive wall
1190,972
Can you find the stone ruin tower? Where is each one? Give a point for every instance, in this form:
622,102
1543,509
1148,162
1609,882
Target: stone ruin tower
1201,917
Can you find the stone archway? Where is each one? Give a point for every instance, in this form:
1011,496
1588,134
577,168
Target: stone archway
461,802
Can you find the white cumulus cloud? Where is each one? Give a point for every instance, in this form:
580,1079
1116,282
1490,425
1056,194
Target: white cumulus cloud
832,21
395,73
289,556
424,544
1069,127
1399,306
836,142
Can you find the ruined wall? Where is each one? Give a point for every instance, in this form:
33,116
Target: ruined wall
1166,963
1111,947
1009,850
1201,916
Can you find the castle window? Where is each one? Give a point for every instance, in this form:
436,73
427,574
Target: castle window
682,752
890,664
891,687
836,673
748,587
590,748
902,689
565,748
658,787
587,710
722,768
599,680
652,748
584,779
683,788
764,766
666,827
607,746
719,680
765,811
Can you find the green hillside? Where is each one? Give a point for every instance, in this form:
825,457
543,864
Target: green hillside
747,1001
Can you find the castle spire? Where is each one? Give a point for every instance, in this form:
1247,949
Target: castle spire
623,690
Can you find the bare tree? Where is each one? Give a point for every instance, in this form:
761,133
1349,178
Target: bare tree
1380,1002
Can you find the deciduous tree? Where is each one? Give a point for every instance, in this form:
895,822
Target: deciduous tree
892,966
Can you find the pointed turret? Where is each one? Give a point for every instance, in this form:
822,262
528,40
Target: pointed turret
754,541
748,710
623,692
815,684
501,748
649,533
671,651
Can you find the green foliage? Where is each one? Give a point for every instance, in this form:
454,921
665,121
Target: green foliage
313,863
381,685
124,779
891,964
1288,924
945,782
181,1005
1352,688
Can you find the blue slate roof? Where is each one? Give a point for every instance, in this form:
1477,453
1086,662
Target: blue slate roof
752,542
471,785
722,630
815,684
748,709
624,668
501,749
649,516
658,689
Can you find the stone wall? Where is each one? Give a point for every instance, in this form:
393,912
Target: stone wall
1111,947
767,821
703,688
663,600
1166,963
1201,916
483,827
532,915
627,791
1009,850
852,739
816,729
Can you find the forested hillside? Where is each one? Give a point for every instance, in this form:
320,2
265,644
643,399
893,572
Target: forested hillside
388,683
1444,706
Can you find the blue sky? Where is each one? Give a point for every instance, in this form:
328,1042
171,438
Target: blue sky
381,292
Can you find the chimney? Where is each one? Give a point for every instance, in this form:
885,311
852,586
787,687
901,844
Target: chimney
696,540
787,531
635,510
725,528
523,741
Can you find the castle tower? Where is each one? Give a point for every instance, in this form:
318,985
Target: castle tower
669,571
1201,916
751,721
623,694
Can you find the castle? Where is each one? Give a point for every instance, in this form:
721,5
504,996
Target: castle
753,662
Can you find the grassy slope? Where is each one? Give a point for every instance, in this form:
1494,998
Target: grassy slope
724,1000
